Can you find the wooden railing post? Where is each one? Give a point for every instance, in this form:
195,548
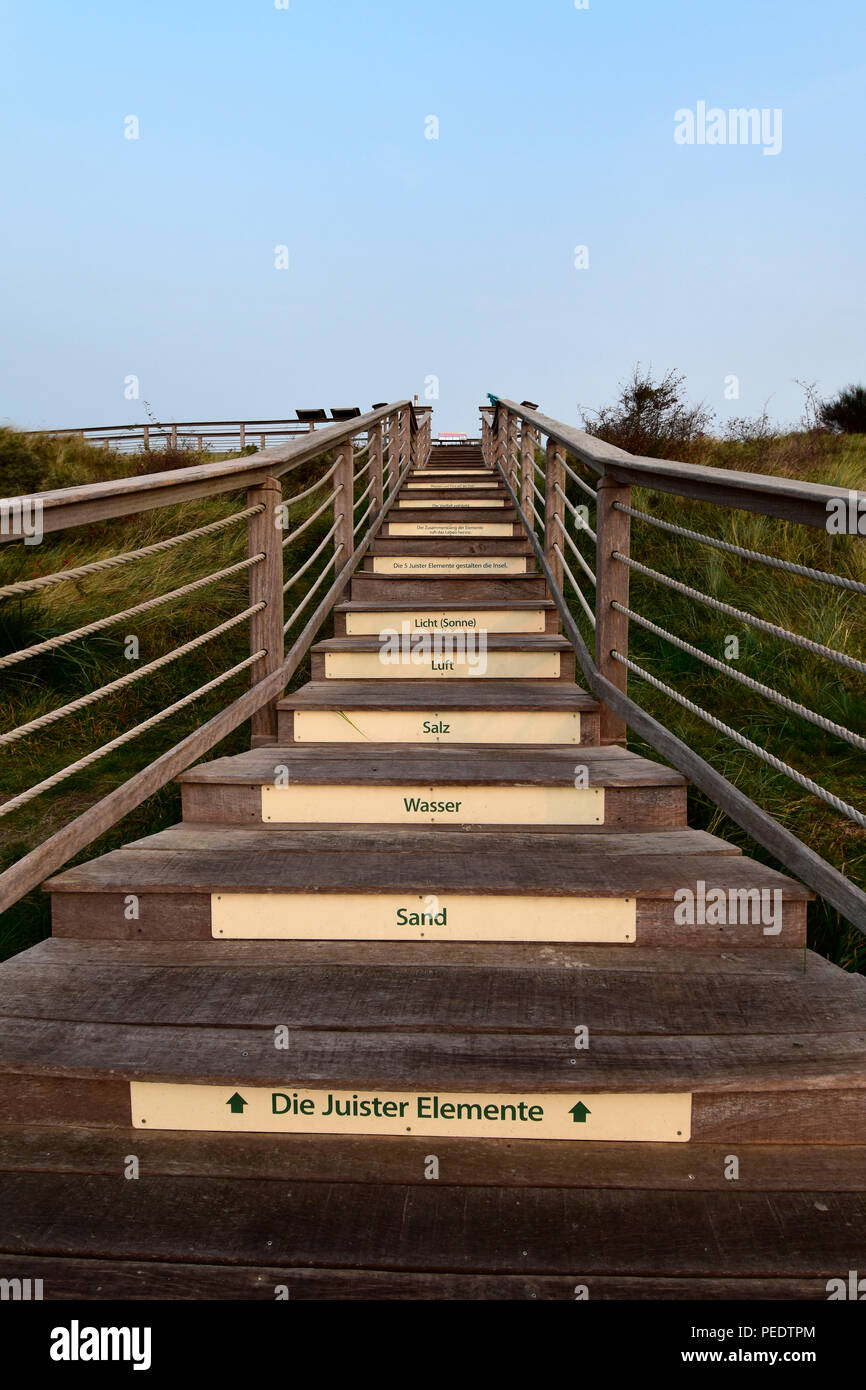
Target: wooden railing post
613,530
528,442
554,507
265,536
374,449
405,436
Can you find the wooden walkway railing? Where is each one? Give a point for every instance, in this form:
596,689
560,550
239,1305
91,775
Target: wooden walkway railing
361,463
532,453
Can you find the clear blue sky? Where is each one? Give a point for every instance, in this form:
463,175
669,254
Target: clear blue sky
411,257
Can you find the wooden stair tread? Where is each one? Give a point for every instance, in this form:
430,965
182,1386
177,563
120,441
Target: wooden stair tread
408,839
519,998
424,868
738,1074
495,605
402,764
394,1228
495,642
436,694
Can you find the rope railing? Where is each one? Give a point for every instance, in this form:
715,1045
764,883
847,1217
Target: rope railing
29,586
298,574
48,783
820,576
77,634
795,638
555,544
793,706
780,766
308,491
313,589
314,516
102,693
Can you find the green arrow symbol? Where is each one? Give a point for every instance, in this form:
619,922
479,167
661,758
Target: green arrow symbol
579,1113
236,1103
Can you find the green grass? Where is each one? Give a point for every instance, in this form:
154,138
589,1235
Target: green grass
831,616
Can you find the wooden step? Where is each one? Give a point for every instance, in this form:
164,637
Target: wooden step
511,712
446,589
462,502
344,1241
265,884
444,656
369,784
358,619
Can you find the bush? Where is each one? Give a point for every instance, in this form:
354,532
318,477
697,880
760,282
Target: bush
651,417
846,413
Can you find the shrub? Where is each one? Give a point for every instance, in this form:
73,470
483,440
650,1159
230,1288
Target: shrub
651,416
846,413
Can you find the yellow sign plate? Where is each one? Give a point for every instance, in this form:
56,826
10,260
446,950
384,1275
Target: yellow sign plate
495,529
643,1117
430,502
366,624
451,483
450,564
367,804
420,917
349,666
435,726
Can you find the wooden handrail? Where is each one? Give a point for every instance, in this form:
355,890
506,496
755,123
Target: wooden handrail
89,502
790,499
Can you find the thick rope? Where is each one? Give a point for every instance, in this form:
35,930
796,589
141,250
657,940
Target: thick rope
806,782
309,594
315,555
75,705
299,496
97,753
822,576
816,648
26,586
574,584
52,643
767,691
584,566
590,491
578,519
299,530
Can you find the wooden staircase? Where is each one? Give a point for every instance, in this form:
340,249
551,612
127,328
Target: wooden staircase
406,1007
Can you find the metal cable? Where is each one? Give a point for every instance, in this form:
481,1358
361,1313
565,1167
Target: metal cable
578,519
299,530
82,703
806,782
309,594
584,566
857,740
125,737
112,562
574,584
822,576
52,643
315,555
794,637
